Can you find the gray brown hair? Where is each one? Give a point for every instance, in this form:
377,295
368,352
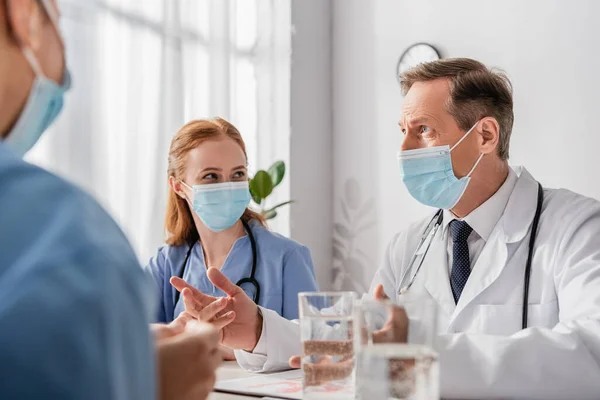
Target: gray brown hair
476,91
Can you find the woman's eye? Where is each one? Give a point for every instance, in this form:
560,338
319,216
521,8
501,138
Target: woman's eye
239,175
210,177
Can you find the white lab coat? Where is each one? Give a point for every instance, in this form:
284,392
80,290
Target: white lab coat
483,351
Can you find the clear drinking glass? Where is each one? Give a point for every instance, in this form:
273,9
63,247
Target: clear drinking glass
394,349
326,330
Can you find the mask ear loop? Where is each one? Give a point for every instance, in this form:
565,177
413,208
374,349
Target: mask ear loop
32,61
460,141
465,136
475,166
188,187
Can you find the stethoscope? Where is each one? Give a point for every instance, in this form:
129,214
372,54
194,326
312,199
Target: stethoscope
252,280
432,228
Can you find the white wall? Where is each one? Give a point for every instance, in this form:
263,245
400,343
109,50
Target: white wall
311,166
355,142
549,48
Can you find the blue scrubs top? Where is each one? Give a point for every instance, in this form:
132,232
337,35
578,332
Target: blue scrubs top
74,302
283,269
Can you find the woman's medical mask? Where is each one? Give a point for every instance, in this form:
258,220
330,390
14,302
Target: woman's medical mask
44,104
429,177
220,205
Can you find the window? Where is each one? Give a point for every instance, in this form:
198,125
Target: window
141,69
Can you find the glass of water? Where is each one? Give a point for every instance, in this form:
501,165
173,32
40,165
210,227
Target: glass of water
394,349
327,342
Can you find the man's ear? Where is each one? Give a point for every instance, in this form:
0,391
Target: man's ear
489,132
25,22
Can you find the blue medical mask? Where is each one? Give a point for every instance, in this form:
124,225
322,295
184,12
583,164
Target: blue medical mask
428,175
220,205
44,104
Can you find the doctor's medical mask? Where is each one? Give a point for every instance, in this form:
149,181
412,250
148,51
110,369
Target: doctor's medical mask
429,177
179,222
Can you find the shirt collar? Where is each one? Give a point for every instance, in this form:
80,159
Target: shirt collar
485,217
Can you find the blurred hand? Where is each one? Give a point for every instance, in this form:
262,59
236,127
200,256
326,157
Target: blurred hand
227,353
240,324
395,329
187,359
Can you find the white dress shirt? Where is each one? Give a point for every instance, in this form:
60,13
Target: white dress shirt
483,220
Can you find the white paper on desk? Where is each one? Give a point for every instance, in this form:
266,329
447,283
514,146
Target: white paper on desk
284,385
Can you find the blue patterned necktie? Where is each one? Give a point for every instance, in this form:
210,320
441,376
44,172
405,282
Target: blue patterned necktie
461,264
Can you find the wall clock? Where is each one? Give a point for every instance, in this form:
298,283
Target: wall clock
416,54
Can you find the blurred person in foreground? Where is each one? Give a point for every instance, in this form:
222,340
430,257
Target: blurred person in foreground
75,305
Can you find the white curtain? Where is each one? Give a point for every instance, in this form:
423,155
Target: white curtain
141,69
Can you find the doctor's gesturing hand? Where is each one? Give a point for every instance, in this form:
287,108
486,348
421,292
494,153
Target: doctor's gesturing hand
237,317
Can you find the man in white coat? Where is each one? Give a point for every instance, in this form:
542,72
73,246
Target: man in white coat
456,121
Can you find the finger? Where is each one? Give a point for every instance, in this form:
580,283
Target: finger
211,310
192,307
178,325
380,293
295,362
221,281
223,320
180,285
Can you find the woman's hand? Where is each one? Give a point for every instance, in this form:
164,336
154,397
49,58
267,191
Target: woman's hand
214,313
241,325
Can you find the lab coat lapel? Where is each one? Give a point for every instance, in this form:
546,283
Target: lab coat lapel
437,280
512,227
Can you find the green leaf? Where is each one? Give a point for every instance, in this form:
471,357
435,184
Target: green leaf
277,172
255,197
269,214
261,185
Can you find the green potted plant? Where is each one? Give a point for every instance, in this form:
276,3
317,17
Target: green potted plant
262,185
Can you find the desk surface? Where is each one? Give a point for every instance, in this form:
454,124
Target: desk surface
230,370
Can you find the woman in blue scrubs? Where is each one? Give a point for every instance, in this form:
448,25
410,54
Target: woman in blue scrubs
209,224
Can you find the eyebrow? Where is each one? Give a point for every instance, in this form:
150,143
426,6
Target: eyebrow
209,169
416,121
213,169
